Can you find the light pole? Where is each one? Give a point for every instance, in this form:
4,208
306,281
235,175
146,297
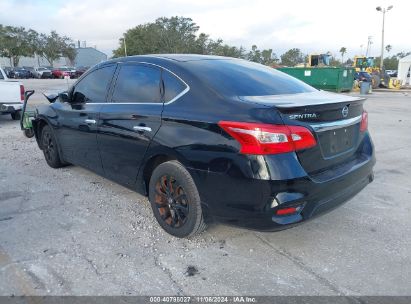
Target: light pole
383,11
369,42
125,46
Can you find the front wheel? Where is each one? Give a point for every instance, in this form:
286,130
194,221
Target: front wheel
50,149
175,200
29,133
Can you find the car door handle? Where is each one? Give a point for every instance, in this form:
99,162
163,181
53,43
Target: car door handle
142,129
90,121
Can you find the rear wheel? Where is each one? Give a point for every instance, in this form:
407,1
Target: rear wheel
175,200
50,150
16,115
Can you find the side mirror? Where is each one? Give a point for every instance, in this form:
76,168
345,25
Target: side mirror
64,97
51,97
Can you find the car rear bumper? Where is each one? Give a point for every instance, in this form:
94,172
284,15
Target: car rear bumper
252,203
10,107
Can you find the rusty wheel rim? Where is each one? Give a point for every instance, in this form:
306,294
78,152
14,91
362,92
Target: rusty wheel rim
171,201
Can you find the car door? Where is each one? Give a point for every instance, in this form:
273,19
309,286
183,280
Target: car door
78,118
129,121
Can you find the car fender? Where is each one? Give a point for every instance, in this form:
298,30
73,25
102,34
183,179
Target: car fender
45,114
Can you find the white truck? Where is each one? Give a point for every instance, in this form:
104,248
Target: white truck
11,96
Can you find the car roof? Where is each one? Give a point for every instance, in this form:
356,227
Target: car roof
170,57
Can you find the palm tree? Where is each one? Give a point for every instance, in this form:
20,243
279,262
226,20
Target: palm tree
343,50
388,47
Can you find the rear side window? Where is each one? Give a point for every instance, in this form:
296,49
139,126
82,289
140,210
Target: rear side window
93,88
172,86
137,84
243,78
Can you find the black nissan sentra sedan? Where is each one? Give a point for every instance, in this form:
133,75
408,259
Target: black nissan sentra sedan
211,138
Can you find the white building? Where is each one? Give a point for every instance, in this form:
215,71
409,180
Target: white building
86,56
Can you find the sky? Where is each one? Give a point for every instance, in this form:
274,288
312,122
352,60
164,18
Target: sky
313,26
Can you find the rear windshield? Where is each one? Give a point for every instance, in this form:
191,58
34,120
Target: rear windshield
244,78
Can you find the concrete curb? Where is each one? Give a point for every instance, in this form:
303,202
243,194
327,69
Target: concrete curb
392,90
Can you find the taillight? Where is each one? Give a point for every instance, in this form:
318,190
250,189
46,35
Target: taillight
256,138
364,121
22,93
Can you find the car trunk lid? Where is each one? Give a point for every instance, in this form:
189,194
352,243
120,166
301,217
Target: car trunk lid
334,120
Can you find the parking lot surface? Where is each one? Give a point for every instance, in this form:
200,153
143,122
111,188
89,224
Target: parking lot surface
71,232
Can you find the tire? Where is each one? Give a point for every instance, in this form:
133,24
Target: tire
16,115
175,200
376,80
50,148
29,133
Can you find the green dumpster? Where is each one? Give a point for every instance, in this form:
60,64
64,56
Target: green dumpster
324,78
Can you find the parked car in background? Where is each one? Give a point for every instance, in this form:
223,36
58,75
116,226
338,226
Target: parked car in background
20,73
31,71
391,73
81,70
394,74
208,137
61,72
42,72
11,96
73,72
363,76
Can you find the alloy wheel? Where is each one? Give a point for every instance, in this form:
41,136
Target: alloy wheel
171,201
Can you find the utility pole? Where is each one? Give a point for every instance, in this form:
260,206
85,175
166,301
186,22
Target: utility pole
383,11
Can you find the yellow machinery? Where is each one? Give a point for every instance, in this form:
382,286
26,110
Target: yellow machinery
319,60
366,64
316,60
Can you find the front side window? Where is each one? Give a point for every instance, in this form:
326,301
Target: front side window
172,86
93,88
137,84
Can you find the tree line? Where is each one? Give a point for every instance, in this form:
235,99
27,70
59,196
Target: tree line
17,42
181,35
164,35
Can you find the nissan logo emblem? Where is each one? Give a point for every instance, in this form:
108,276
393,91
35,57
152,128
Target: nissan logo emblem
344,111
